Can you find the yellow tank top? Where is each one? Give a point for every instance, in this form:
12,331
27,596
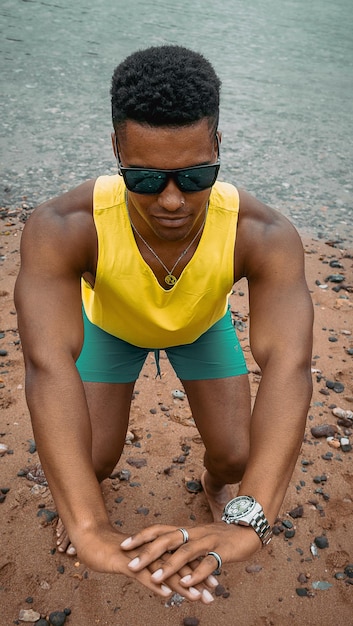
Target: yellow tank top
127,300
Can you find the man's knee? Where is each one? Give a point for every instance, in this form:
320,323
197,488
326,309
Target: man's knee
228,466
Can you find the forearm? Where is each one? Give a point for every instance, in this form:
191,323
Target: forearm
277,429
62,431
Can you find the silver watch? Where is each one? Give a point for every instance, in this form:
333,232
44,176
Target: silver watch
246,511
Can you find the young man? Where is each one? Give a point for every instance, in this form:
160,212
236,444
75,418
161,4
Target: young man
164,233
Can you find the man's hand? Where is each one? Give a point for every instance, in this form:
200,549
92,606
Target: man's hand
232,543
103,553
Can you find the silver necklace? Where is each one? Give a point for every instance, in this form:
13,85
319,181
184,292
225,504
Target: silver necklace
169,279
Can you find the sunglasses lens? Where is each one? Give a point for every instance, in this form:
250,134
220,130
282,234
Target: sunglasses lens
144,181
190,179
197,178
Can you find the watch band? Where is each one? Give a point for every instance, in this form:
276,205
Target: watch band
262,527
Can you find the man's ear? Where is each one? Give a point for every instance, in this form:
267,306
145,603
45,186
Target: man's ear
114,144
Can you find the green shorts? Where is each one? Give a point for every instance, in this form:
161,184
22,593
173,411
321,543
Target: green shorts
216,354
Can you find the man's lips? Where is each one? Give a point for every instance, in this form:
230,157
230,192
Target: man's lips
173,222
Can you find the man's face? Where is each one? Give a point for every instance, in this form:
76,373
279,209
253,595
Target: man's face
172,214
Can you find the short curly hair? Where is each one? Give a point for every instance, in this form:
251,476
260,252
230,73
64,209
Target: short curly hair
165,86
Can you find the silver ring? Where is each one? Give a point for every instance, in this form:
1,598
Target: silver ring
185,534
218,559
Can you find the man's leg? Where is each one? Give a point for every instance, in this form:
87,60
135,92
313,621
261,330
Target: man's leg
109,408
222,409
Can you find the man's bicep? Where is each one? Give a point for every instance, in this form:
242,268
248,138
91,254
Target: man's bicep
49,318
281,311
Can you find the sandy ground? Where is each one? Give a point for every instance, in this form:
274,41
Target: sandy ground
263,591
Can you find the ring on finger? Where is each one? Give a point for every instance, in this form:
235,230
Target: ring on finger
185,534
219,562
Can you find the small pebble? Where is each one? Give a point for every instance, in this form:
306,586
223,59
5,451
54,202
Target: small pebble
297,512
302,591
219,591
3,449
251,569
323,430
321,584
289,533
57,618
28,615
142,510
302,578
191,621
321,542
340,575
348,570
193,486
46,516
345,444
42,622
338,412
178,394
287,523
136,462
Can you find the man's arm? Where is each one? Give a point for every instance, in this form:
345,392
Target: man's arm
58,246
269,253
281,320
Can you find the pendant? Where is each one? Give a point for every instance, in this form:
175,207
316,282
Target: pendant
170,279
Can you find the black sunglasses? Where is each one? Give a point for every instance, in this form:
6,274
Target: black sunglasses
188,179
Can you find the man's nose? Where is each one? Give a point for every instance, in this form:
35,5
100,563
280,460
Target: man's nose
171,198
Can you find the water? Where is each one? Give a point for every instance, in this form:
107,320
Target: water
287,97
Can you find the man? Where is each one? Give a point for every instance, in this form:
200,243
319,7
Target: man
167,235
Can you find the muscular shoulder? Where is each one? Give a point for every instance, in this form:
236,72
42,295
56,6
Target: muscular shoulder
266,240
63,227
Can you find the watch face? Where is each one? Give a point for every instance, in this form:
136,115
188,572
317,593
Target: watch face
240,506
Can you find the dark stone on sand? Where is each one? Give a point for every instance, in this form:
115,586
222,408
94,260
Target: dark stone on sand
335,278
277,530
142,510
60,569
3,353
219,591
348,570
47,516
138,463
323,430
32,446
302,578
289,533
287,523
2,498
42,622
320,479
321,542
302,592
191,621
297,512
124,475
332,339
335,263
194,486
327,456
5,490
335,386
57,618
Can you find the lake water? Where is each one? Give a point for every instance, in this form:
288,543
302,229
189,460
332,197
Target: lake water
287,96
